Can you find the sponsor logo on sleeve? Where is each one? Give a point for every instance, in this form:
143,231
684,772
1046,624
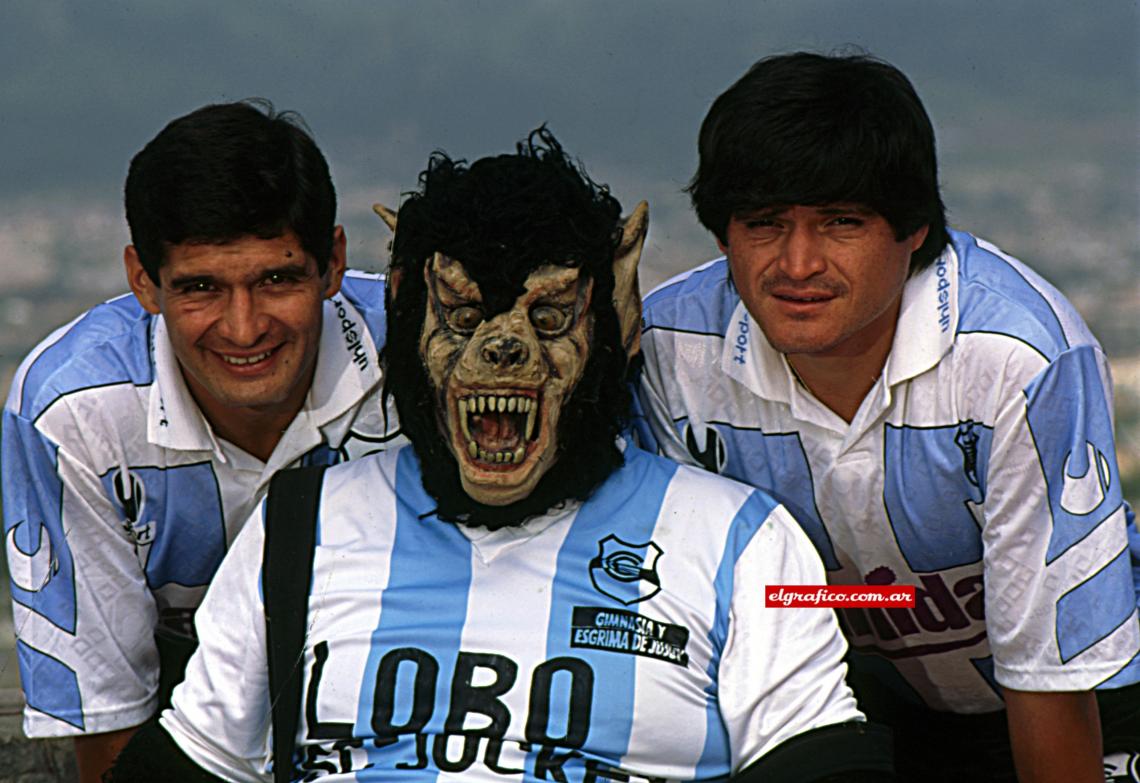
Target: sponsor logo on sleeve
353,335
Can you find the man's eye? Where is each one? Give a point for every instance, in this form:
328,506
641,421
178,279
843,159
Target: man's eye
847,220
548,319
465,318
755,223
277,278
197,287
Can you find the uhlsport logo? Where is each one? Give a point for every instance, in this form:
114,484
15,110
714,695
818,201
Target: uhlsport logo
620,568
353,335
1122,767
1084,488
31,570
130,493
714,456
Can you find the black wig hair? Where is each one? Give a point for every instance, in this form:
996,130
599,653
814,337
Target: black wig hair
806,128
226,171
503,217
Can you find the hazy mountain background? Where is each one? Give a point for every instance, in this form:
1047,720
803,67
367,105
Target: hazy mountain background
1035,106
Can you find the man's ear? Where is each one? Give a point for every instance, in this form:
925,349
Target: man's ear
338,261
627,296
144,289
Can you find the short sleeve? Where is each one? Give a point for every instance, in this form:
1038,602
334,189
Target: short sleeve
220,714
782,671
84,616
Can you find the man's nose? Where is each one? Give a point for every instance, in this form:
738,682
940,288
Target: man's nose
803,254
242,323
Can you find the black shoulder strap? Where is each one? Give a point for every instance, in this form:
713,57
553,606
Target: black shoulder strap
287,570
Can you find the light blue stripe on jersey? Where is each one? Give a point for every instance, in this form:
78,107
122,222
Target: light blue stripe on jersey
745,524
701,301
627,506
62,700
109,345
933,527
1095,608
1067,402
997,299
427,591
40,563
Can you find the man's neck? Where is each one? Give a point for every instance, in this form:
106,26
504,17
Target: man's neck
254,432
842,379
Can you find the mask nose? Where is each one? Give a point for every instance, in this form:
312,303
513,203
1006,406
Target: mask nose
504,352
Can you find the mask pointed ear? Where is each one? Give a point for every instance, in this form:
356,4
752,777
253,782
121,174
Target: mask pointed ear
627,296
387,215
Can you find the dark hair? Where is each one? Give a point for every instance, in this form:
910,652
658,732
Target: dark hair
227,171
807,128
503,217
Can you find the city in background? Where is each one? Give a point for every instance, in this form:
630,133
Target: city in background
1035,105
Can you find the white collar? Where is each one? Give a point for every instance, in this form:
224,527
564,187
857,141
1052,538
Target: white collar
347,370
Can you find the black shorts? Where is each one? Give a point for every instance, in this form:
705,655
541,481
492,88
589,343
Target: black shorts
933,746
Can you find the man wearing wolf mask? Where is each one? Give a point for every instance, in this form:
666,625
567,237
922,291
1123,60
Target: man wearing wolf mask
522,593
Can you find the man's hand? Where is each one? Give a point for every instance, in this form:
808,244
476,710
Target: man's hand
1055,736
95,753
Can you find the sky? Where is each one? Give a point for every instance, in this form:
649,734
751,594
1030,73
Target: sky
1047,90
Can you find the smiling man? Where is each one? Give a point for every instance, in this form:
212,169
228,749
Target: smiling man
931,411
138,438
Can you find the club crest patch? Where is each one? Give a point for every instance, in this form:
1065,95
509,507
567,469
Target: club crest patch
620,569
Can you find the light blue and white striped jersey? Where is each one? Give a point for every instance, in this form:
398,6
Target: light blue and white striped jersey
980,468
626,635
119,502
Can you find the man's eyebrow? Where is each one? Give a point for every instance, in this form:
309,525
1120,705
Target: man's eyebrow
760,212
289,270
844,209
182,281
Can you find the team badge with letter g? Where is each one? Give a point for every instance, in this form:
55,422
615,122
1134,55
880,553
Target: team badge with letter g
620,567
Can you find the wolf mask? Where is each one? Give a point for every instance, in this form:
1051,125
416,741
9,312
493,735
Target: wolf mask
513,320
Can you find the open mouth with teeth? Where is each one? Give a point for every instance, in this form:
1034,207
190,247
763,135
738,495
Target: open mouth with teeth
242,361
497,429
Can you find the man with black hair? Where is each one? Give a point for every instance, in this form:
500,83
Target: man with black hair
138,438
931,411
520,593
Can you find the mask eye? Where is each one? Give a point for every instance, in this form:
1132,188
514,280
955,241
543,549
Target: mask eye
465,318
548,320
